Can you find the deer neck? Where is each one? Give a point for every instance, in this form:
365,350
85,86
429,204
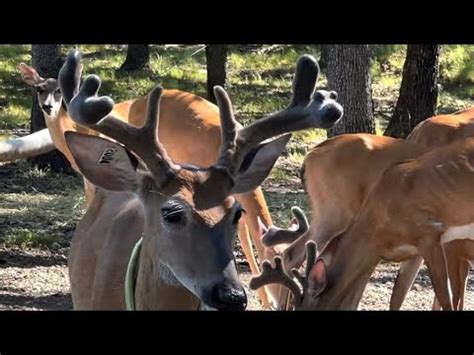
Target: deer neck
156,286
57,127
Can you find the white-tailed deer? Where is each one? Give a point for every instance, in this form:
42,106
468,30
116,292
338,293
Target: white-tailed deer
183,115
435,132
189,215
337,174
407,213
57,120
324,171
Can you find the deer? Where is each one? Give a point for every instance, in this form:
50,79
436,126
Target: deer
57,122
434,132
336,188
184,114
403,216
189,213
335,212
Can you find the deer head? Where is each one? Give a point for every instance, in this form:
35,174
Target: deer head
191,216
48,92
275,274
307,289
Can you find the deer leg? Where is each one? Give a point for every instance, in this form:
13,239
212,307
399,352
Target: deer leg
435,260
463,275
436,306
404,281
256,207
246,244
458,269
283,298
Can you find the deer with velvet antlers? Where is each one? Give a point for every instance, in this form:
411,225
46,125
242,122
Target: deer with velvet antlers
190,217
183,115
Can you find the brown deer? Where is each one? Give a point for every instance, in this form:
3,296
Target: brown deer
403,216
189,214
337,174
434,132
324,171
57,120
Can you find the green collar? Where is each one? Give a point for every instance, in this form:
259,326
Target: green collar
130,276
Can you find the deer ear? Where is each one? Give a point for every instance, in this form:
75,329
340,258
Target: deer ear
317,278
104,163
258,163
30,75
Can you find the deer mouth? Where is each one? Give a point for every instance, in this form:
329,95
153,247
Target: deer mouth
223,297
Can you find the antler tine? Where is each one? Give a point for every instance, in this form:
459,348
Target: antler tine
150,130
228,129
311,249
70,76
306,76
150,126
275,275
274,235
303,224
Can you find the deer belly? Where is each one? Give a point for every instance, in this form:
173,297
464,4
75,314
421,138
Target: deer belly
401,253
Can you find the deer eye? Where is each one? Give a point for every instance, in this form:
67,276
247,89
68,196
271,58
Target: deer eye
57,91
39,90
172,215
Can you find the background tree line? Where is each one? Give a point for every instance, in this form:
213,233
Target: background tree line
347,68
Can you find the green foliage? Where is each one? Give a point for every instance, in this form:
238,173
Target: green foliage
457,65
387,59
280,206
38,209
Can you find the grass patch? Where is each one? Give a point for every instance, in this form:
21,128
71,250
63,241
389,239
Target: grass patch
280,206
27,239
14,116
38,209
279,174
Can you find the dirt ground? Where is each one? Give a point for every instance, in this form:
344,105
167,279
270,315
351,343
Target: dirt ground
38,280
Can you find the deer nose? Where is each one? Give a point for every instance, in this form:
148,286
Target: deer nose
47,108
228,298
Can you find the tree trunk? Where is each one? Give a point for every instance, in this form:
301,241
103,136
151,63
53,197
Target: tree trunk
138,57
348,73
216,57
418,90
46,59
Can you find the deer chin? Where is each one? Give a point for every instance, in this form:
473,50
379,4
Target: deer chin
169,277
